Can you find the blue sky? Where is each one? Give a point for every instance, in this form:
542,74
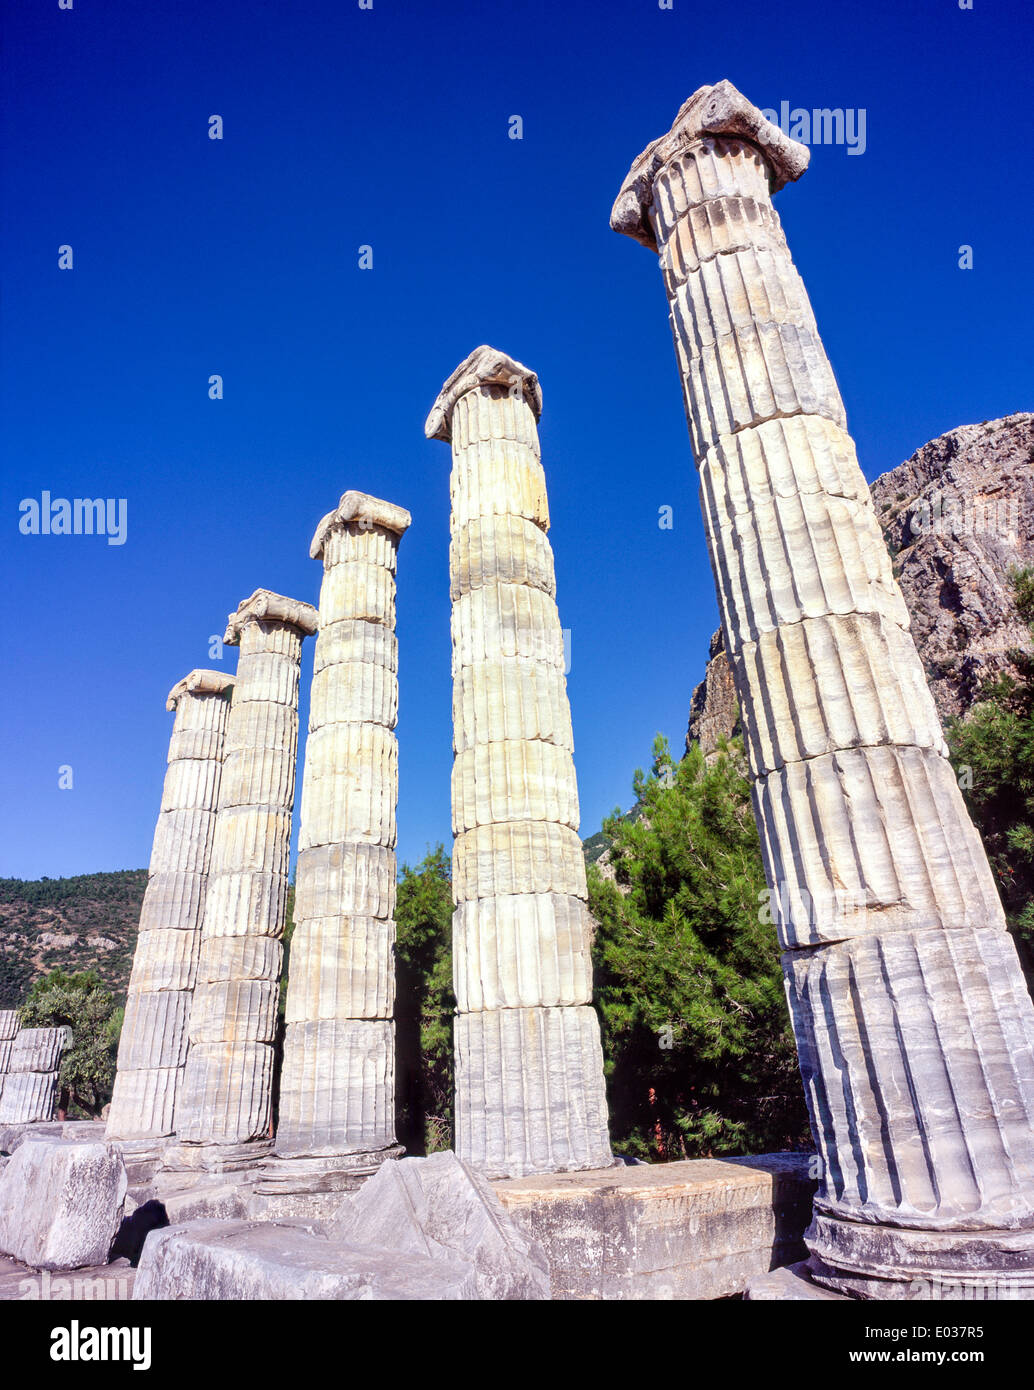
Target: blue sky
389,128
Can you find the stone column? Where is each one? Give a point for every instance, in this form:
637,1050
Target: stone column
913,1025
8,1033
337,1084
223,1113
153,1046
529,1067
30,1086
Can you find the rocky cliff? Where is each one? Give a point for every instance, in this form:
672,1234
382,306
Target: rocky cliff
958,516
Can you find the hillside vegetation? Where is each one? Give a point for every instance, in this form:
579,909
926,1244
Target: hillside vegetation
71,924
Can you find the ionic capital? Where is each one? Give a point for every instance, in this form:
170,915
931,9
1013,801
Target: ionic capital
265,605
485,366
717,110
200,683
364,511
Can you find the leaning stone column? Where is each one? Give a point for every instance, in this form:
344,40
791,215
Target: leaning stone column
153,1046
529,1066
913,1025
337,1083
224,1108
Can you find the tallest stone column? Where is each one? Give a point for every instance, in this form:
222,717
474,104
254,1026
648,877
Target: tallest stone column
914,1027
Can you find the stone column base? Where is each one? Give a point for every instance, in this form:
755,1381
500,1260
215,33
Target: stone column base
214,1158
142,1157
327,1173
893,1262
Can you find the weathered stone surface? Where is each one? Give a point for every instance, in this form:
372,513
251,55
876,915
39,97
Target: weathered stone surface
248,902
792,1284
39,1049
356,640
529,1091
173,902
235,1011
511,699
958,517
518,857
520,951
361,692
224,1094
519,779
144,1103
337,1088
341,968
529,1081
352,878
154,1033
337,1084
503,621
700,1229
881,889
61,1204
350,785
819,685
714,711
108,1281
871,839
500,550
9,1024
27,1097
224,1098
153,1042
929,1035
233,1260
440,1207
165,960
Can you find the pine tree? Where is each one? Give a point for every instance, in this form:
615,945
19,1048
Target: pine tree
424,1004
699,1052
84,1004
992,750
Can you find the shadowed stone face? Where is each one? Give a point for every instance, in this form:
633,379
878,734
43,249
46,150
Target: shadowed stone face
529,1067
914,1029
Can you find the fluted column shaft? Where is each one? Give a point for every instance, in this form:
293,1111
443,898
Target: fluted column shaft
32,1062
913,1025
153,1044
8,1032
529,1066
337,1085
224,1104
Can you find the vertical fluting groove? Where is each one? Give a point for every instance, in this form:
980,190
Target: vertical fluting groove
225,1095
527,1098
913,1025
337,1087
153,1044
